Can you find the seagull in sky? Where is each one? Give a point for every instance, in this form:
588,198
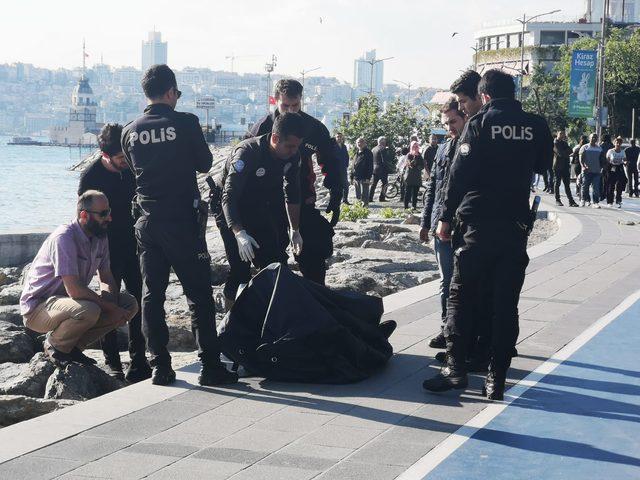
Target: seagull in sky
454,34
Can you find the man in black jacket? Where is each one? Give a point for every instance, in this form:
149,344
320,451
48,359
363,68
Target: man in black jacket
110,174
314,228
561,167
165,149
453,119
501,146
380,169
631,166
362,170
248,208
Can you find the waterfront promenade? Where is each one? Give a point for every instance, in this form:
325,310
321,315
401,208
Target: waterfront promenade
573,412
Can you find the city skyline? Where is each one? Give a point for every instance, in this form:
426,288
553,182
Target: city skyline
417,35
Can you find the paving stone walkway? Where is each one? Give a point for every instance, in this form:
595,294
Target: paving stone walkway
372,430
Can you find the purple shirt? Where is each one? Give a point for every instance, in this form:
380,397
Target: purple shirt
67,251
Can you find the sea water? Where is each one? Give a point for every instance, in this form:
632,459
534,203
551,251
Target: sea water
38,191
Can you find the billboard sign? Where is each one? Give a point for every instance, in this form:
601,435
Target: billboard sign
582,88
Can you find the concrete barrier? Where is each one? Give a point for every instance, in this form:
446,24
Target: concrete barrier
19,248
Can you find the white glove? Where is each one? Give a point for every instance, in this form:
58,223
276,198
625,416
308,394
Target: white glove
245,245
296,242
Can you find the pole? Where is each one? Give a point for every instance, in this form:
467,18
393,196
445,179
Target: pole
524,23
601,70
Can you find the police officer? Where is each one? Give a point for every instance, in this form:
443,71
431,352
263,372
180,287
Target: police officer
109,173
165,149
316,232
488,196
247,207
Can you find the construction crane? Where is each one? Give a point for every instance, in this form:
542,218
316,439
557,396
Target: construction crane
233,57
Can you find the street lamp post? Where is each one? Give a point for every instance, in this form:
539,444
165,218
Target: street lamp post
302,74
270,67
408,85
601,67
372,63
475,57
524,20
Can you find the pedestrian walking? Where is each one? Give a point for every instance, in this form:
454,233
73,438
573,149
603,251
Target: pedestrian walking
362,170
413,175
591,162
631,154
616,178
561,168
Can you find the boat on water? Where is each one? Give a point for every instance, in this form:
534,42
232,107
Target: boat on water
25,141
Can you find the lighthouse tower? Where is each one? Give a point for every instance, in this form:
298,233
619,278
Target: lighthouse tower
82,128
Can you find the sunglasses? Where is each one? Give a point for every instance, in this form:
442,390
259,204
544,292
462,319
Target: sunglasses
178,92
102,213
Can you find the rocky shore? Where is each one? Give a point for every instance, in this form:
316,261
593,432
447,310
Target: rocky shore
379,255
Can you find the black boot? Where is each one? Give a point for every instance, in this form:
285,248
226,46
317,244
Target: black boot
438,341
138,370
452,375
114,366
494,386
163,375
388,327
214,373
79,357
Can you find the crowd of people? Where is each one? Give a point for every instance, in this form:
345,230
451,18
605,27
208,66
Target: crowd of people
602,171
140,215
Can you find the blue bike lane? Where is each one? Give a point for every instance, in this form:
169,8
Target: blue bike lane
581,420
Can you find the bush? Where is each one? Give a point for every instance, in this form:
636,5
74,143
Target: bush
391,213
352,213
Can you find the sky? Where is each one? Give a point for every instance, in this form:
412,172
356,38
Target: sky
303,34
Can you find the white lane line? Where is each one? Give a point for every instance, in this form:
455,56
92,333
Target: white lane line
431,460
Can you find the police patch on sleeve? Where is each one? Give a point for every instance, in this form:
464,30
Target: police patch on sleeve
465,149
238,166
260,172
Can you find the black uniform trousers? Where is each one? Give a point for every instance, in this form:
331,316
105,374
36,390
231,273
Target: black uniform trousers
273,240
176,244
383,178
632,178
493,259
562,176
317,237
126,268
411,195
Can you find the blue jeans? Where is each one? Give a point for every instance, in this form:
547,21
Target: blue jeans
591,179
444,257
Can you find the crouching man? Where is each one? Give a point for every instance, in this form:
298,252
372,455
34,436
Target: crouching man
56,299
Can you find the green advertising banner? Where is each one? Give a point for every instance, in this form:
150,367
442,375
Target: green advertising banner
582,87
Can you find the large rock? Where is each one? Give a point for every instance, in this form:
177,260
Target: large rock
10,295
23,274
16,408
9,275
32,379
9,371
180,336
80,382
11,314
15,345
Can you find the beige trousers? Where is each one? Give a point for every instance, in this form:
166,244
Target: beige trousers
75,323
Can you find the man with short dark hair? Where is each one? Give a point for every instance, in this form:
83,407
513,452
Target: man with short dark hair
465,88
616,178
494,222
380,169
453,120
561,165
429,153
342,154
362,170
314,228
166,149
631,154
56,298
110,174
591,160
261,175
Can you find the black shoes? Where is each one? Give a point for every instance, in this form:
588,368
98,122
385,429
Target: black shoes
163,375
559,203
57,357
138,371
438,341
494,386
447,379
79,357
216,374
388,327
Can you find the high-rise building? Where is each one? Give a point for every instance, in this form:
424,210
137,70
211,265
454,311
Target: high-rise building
363,80
620,11
154,50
